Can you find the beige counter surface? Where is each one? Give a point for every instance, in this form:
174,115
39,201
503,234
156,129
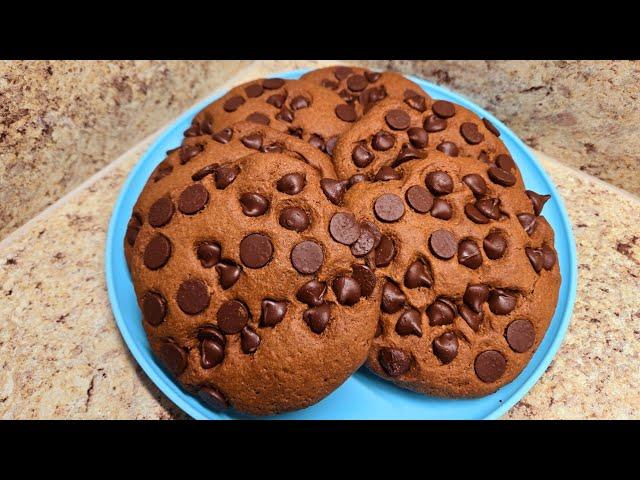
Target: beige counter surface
61,355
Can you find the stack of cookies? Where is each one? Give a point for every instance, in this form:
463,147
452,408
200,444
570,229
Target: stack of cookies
305,227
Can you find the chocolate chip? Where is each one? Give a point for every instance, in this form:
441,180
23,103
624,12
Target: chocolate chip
291,183
474,214
439,183
295,132
418,137
232,316
357,178
417,102
393,299
494,245
205,171
476,184
398,119
537,201
365,277
419,199
344,228
213,398
489,207
334,190
275,147
443,244
527,221
249,340
347,96
209,254
223,136
254,204
407,152
394,361
441,209
385,252
193,296
206,126
357,83
272,83
187,152
294,218
276,100
501,302
520,335
369,239
470,133
372,76
469,254
491,127
285,115
483,157
445,347
490,366
383,141
346,289
389,207
316,141
256,250
418,275
346,112
253,141
228,273
312,293
441,312
501,177
434,124
317,318
506,163
548,257
300,102
330,84
193,199
387,173
163,169
535,257
330,145
475,296
173,356
211,351
307,257
259,118
448,148
161,212
409,323
443,109
225,175
272,312
342,72
361,156
154,308
193,130
157,252
473,319
233,103
254,90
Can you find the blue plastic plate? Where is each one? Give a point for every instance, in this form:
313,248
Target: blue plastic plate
363,396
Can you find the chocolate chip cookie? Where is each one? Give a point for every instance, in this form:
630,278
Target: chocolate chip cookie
468,274
363,88
250,295
297,107
396,131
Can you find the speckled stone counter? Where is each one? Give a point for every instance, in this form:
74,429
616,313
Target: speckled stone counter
61,355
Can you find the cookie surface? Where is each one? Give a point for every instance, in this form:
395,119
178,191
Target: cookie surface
470,281
364,88
247,299
393,132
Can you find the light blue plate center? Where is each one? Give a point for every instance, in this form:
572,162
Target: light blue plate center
363,396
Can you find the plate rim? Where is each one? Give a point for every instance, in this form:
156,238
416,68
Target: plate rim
175,395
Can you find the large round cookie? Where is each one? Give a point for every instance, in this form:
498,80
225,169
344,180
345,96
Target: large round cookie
469,279
394,132
364,88
297,107
246,297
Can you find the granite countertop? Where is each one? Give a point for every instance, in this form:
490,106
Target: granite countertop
62,355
